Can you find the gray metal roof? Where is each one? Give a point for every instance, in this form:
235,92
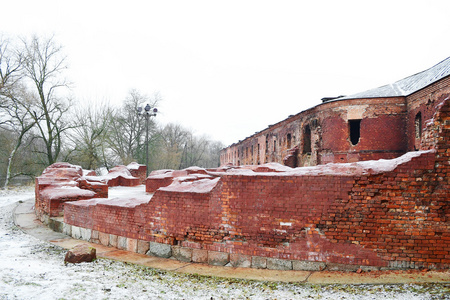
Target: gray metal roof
408,85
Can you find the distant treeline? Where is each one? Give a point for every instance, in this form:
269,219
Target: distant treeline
41,122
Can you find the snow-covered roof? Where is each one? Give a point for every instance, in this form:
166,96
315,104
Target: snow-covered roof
408,85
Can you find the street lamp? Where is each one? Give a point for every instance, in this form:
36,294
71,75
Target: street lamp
147,113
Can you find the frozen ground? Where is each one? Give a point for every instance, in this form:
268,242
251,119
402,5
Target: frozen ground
32,269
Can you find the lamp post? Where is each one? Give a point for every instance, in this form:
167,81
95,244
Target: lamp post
147,113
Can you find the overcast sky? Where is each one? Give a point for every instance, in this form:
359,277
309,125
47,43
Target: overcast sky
227,69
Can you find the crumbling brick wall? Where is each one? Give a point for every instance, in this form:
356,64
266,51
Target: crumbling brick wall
63,182
60,183
391,214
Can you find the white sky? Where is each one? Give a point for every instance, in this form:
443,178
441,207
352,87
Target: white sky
227,69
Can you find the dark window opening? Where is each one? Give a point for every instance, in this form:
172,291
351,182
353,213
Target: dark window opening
289,140
355,131
307,140
418,130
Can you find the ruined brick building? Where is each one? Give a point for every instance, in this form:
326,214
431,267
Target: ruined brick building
381,123
374,214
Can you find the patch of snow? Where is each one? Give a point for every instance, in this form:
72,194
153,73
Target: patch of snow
199,186
125,191
160,172
53,193
160,176
388,165
125,202
343,169
133,166
240,172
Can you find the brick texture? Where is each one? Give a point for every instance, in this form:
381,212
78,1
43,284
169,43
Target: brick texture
395,218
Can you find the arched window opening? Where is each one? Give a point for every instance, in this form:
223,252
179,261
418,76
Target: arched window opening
289,141
418,131
355,131
307,140
267,143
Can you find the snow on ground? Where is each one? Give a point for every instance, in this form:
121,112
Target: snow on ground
32,269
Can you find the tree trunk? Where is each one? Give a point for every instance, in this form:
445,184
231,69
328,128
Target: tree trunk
8,167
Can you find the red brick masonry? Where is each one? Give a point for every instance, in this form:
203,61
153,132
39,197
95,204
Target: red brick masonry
63,182
386,213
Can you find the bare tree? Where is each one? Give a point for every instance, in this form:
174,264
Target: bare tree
43,65
89,135
20,123
10,71
171,144
127,129
194,150
211,159
14,102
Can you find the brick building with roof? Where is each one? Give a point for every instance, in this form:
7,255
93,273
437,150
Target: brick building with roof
381,123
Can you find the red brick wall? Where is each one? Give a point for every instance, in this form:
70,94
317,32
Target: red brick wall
396,219
138,171
51,191
152,184
379,220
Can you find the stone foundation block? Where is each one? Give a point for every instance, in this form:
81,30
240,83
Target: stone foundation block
369,268
279,264
103,238
94,236
182,254
44,219
259,262
55,224
122,243
240,260
216,258
200,256
299,265
143,246
342,267
86,234
160,250
114,240
132,245
76,233
67,229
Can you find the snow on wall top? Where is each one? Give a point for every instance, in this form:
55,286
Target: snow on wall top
339,169
201,186
134,166
113,173
63,171
356,168
66,192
